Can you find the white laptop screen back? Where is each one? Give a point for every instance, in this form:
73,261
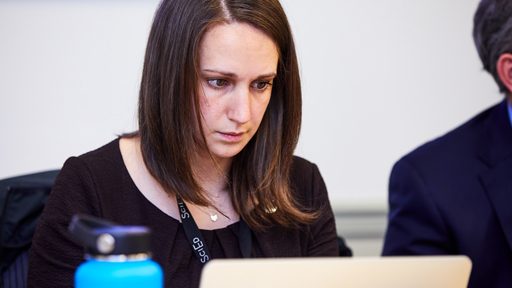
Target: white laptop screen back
358,272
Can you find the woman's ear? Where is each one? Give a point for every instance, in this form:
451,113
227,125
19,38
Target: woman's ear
504,69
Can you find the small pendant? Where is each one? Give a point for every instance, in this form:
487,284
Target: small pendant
271,210
214,217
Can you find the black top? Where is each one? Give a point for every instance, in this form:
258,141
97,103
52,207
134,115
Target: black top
98,184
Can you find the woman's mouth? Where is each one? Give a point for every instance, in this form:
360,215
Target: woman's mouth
231,136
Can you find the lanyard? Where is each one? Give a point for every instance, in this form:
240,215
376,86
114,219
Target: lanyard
196,240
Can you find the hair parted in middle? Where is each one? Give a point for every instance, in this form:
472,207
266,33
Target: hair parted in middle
169,111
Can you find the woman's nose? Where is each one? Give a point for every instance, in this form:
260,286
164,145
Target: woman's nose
240,106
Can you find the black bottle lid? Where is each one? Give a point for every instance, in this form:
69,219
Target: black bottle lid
104,238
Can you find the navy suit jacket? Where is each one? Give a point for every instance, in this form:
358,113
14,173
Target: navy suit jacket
453,195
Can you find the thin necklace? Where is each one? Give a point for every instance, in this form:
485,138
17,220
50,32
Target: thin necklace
213,215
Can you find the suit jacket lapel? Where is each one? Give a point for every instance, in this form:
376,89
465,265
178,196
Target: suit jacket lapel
496,152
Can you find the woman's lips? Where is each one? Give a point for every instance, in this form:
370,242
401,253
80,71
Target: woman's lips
232,136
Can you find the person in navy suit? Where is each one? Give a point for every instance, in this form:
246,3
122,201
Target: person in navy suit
453,195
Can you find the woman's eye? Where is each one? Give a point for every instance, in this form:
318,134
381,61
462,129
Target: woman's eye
217,82
262,85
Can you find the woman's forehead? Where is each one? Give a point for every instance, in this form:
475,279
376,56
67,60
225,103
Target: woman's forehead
237,46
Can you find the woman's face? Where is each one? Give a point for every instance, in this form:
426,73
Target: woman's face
238,63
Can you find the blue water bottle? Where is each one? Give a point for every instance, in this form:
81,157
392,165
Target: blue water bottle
117,256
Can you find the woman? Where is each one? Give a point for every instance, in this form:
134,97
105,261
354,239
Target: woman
219,118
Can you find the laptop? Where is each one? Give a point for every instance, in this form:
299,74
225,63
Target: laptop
357,272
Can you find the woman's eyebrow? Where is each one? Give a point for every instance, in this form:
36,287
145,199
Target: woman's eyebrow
233,75
227,74
269,75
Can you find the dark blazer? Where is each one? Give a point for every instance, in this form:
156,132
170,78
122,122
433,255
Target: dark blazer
453,195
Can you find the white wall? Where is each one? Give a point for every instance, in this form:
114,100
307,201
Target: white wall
380,77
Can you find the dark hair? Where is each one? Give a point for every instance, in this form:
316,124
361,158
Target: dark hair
492,33
169,110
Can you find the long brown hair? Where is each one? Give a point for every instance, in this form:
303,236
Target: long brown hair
169,111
